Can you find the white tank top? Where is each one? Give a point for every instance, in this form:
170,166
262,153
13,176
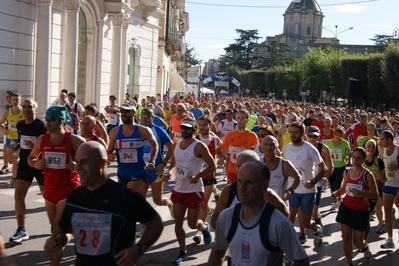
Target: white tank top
392,176
257,150
277,178
187,165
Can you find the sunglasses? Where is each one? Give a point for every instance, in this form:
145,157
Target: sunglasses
145,116
185,128
313,136
207,113
50,119
261,135
125,111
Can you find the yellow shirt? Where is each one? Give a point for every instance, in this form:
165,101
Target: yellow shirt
13,119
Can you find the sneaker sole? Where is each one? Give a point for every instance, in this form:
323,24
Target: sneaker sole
19,240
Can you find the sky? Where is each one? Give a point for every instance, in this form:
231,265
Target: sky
212,23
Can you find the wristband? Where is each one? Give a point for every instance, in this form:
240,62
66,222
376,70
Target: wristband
313,181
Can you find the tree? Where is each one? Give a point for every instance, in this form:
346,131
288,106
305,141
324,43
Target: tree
239,53
381,42
275,55
191,56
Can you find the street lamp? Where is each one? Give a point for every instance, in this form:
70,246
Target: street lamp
336,33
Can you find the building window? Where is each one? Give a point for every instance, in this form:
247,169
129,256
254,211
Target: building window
308,31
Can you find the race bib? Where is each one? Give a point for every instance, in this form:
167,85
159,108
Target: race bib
55,160
128,156
178,135
181,171
336,155
27,142
113,119
350,187
234,151
146,157
12,126
92,233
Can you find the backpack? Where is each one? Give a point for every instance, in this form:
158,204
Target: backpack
263,227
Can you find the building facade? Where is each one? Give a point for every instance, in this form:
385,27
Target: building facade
94,48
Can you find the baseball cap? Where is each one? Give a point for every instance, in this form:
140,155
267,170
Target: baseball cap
312,130
372,125
127,106
187,123
148,112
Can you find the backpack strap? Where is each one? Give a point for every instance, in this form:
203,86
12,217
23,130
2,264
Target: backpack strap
264,227
232,194
234,222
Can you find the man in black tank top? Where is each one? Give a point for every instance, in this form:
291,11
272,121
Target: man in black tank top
28,130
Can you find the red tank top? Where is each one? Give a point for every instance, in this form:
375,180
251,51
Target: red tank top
56,176
356,203
212,150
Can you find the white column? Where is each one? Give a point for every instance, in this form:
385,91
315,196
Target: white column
124,57
43,56
115,72
71,45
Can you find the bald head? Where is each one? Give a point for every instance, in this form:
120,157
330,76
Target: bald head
256,169
89,119
245,156
93,150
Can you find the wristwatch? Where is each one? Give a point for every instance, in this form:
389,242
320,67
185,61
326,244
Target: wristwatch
151,162
142,248
313,181
291,190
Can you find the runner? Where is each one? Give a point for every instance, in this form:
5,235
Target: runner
57,147
28,130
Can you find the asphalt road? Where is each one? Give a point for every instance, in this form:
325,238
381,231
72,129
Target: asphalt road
165,249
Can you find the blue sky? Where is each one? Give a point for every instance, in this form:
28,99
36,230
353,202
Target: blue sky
213,27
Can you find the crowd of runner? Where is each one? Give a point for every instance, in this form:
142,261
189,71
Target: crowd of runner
277,158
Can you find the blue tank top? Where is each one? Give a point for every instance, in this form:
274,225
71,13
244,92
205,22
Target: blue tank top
129,153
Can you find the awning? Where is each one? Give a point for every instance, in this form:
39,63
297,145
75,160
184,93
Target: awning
176,82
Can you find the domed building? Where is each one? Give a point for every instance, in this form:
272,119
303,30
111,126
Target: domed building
302,23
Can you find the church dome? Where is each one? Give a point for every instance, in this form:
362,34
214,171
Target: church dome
304,4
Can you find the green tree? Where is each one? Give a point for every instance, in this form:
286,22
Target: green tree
191,56
381,42
240,52
391,74
275,55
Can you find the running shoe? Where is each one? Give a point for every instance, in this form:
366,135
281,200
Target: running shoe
4,170
367,255
19,235
12,183
318,237
197,238
183,255
388,244
141,232
303,238
381,229
207,234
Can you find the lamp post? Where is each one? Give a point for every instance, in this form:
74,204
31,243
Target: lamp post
336,33
247,43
